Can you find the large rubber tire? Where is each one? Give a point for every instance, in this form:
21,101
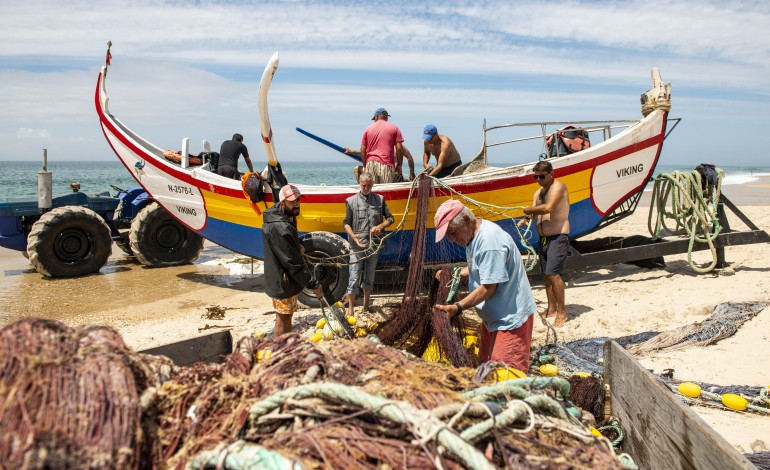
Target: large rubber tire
69,241
334,274
159,240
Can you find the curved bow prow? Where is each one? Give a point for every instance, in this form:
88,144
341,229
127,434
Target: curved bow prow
264,86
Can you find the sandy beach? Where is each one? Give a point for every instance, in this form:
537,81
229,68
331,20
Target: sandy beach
150,307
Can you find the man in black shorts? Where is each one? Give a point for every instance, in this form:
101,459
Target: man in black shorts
228,157
550,208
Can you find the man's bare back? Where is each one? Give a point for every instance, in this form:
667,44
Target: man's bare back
444,150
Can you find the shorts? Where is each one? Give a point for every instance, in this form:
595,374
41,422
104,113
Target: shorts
381,172
447,171
509,346
361,268
553,253
285,306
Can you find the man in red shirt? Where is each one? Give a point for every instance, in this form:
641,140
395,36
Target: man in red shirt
379,146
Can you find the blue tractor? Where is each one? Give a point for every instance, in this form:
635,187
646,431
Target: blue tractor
72,234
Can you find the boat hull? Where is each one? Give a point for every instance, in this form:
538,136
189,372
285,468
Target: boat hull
599,179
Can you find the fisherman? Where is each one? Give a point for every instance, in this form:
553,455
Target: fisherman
442,147
364,224
228,157
381,142
550,207
497,281
286,273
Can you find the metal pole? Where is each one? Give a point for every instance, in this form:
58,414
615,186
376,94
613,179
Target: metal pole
44,186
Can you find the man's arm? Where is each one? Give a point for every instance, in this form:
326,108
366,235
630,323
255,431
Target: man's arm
289,253
441,158
426,154
245,152
388,216
479,294
409,161
551,200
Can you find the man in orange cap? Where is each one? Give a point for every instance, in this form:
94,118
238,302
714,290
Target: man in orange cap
497,283
286,273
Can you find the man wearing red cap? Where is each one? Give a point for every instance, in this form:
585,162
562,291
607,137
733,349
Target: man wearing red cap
286,273
497,281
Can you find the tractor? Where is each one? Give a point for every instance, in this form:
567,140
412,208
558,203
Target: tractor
71,235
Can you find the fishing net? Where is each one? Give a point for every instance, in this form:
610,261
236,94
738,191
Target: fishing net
73,398
725,320
761,460
274,404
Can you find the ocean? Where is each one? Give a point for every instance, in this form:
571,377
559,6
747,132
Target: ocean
19,179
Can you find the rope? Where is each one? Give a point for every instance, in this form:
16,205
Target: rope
614,426
694,213
423,423
455,284
516,389
241,455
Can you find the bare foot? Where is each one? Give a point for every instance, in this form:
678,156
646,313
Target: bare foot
561,319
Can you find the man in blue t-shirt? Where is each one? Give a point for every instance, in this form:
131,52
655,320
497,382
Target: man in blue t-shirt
497,284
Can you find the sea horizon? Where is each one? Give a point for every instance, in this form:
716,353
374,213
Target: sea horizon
20,177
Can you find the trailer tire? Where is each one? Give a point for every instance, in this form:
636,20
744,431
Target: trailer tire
334,274
69,241
158,240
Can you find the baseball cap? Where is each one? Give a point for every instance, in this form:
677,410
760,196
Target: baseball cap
380,111
289,192
429,131
445,213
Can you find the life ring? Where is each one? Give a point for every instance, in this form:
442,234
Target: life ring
177,158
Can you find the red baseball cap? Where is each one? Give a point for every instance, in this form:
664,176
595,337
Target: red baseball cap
445,213
289,193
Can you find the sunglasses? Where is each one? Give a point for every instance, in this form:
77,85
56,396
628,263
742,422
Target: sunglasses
539,177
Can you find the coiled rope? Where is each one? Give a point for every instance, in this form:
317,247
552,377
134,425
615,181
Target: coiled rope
694,213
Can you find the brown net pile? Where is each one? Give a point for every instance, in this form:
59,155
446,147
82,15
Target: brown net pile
321,431
70,398
77,398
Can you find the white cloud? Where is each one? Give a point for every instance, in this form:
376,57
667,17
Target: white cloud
40,134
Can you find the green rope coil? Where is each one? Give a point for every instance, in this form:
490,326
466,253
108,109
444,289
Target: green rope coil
694,213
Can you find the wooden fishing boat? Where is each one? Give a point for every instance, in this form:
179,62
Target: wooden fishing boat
605,182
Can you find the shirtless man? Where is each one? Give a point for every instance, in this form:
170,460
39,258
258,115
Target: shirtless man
550,207
441,146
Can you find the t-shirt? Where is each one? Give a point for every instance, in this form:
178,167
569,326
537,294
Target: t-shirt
230,151
379,139
494,259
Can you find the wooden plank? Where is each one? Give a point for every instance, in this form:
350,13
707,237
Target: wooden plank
660,431
663,248
209,348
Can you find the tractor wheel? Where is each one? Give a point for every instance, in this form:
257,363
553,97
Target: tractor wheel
124,244
123,229
334,274
69,241
158,240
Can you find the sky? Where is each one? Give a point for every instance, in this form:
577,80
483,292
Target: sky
192,68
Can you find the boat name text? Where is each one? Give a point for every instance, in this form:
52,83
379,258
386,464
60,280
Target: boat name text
186,210
628,171
175,188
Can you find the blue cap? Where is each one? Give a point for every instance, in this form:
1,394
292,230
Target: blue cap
380,111
429,131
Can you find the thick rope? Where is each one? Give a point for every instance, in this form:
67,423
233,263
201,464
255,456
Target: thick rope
694,213
421,421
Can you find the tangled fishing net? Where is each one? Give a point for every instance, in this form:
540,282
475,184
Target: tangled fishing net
77,398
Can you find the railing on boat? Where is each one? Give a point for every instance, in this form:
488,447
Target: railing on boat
605,127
